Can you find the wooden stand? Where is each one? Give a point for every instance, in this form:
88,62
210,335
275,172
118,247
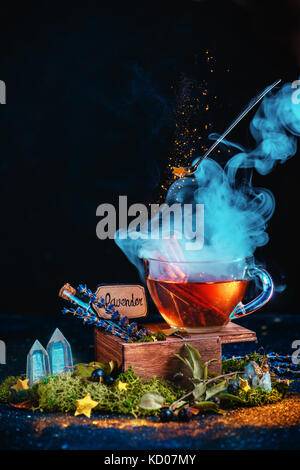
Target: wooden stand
157,358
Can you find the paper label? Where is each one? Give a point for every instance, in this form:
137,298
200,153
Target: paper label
129,300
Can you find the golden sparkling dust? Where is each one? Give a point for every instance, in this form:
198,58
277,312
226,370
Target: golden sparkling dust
285,414
190,136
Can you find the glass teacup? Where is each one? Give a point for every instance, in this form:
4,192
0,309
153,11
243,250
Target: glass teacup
203,296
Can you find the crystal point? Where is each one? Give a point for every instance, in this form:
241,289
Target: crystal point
37,363
265,381
60,354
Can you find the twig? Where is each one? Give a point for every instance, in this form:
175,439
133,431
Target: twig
179,400
224,375
171,407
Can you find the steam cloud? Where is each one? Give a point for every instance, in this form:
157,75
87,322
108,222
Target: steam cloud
235,213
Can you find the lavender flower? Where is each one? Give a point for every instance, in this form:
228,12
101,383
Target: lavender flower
115,325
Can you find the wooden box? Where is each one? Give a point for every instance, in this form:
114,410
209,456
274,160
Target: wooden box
157,358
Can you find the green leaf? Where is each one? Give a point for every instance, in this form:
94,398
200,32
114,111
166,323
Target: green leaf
206,407
96,365
205,367
199,390
180,404
107,367
208,362
112,365
228,397
151,401
84,371
215,389
195,361
186,363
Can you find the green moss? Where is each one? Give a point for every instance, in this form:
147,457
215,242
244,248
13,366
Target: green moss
61,393
253,397
5,388
232,365
159,336
146,339
260,397
21,395
282,387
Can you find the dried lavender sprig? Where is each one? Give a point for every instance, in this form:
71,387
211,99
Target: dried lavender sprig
85,307
115,323
130,328
86,312
271,355
96,321
277,363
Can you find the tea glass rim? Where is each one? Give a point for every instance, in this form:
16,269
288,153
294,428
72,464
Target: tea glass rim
229,260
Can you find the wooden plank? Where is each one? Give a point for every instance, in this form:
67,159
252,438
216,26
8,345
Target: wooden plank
159,358
231,333
234,333
107,349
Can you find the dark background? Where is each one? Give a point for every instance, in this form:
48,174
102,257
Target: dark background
92,90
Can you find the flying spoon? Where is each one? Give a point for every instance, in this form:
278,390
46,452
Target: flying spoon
190,170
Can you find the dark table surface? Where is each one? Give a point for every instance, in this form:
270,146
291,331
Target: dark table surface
23,429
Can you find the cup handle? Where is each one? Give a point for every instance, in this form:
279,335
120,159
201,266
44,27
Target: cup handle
242,310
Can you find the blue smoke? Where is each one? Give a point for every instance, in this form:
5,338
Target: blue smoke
236,214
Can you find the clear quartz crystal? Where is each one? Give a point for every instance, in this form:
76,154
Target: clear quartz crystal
265,381
37,363
60,354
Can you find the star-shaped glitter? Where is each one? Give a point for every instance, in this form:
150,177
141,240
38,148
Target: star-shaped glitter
122,386
244,385
85,406
21,385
